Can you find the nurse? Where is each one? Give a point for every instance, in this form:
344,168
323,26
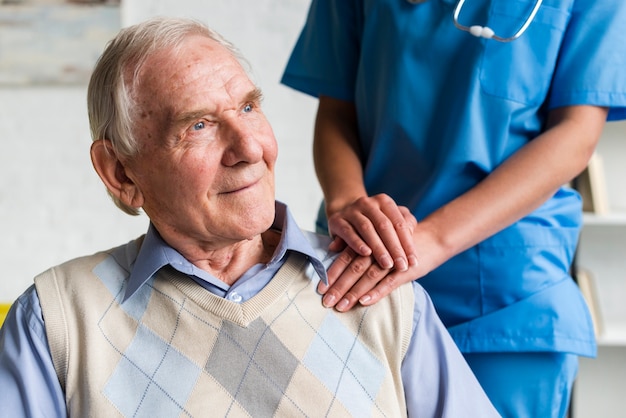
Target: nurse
471,116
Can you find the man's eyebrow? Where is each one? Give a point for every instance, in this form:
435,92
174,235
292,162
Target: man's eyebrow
187,117
255,96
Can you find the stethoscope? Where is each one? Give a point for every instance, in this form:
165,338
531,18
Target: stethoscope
485,31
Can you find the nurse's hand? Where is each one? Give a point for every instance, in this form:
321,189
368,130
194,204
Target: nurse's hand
376,226
355,279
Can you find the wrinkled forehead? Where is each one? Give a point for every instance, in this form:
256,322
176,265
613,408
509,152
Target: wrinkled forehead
197,58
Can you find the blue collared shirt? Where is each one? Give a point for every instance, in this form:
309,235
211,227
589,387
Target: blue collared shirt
29,386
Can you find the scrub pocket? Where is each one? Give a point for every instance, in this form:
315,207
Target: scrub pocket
503,270
523,260
522,70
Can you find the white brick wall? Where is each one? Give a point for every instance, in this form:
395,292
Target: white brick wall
52,204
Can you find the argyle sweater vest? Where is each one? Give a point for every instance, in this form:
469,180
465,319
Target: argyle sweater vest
174,349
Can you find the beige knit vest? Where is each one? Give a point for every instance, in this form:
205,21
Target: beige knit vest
175,349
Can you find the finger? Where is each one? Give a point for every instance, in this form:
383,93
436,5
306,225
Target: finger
357,226
347,227
405,232
376,225
339,265
385,286
337,245
391,237
359,291
343,277
392,231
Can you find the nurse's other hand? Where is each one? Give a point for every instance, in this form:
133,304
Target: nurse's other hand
377,226
356,279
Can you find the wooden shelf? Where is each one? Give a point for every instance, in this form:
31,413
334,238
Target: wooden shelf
601,382
602,251
614,335
610,219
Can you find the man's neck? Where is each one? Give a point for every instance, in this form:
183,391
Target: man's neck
230,262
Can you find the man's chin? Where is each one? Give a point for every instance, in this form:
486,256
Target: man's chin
257,218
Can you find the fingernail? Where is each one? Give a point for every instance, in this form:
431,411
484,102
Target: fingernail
413,261
328,301
322,287
365,299
342,305
401,264
386,262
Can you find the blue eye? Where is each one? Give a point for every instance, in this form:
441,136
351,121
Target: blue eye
247,108
198,126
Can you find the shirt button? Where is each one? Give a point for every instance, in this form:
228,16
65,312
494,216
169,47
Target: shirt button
235,297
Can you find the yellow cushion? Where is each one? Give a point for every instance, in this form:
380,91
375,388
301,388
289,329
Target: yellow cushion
4,310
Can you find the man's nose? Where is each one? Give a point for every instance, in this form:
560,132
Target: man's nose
243,144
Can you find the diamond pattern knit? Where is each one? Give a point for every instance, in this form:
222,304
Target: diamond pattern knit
174,349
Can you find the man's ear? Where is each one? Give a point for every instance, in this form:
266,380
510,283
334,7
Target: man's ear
112,172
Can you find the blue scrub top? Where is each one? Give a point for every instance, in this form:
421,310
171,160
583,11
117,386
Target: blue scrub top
439,110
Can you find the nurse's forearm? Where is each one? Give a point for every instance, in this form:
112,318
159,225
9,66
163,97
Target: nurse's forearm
522,183
368,224
336,154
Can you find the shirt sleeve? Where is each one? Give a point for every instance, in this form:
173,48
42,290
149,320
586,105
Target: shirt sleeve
29,386
434,363
592,58
325,58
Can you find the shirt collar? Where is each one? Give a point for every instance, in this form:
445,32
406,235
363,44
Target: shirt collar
155,253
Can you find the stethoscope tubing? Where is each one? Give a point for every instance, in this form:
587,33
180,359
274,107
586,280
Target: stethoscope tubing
485,31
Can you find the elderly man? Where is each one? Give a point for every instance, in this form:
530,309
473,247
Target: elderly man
214,312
